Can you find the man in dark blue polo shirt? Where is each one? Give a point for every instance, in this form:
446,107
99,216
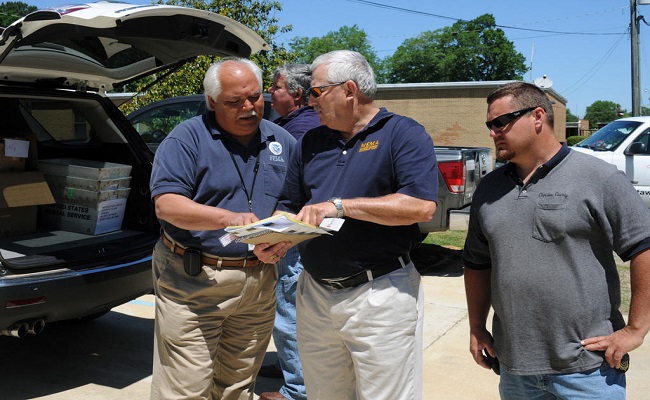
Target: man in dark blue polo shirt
215,301
289,94
360,298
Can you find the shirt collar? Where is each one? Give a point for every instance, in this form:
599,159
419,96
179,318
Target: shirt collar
293,114
510,168
374,123
262,135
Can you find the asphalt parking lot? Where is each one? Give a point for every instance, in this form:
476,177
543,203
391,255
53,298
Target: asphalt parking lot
110,358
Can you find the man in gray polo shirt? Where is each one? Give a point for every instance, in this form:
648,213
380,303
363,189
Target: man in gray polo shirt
539,250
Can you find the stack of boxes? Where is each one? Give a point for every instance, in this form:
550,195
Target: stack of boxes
90,195
20,191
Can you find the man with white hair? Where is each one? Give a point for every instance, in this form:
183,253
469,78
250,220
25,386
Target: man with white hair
215,301
360,300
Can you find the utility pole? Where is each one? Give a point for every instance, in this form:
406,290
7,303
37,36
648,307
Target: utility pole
634,39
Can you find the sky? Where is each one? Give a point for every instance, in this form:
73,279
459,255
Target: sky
582,46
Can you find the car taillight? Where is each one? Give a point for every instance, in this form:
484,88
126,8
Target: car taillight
453,172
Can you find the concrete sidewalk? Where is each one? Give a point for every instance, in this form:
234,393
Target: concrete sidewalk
449,370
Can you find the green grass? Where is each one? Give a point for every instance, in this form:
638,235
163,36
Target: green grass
626,291
456,240
451,239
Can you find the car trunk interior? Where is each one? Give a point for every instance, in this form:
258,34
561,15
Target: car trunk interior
74,128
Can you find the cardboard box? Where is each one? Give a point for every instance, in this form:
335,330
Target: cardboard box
88,196
88,169
13,154
85,211
20,193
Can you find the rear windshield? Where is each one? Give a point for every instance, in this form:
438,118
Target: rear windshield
67,121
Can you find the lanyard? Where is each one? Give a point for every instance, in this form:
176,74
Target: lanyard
249,196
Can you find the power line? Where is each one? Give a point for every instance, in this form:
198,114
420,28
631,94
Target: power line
592,71
427,14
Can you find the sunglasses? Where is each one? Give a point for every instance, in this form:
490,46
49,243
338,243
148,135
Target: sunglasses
317,91
503,120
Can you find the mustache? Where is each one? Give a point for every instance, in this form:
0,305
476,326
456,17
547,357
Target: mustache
248,114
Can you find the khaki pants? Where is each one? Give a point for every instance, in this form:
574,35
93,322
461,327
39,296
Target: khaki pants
211,330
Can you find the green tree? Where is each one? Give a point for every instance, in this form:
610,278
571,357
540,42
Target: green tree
346,38
570,117
256,14
645,110
601,112
473,50
13,10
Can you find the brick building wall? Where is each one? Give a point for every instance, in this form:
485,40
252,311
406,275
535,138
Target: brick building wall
454,113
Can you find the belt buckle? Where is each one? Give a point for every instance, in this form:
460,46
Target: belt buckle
336,285
245,260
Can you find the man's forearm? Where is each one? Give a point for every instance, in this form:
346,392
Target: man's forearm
394,209
478,293
639,315
184,213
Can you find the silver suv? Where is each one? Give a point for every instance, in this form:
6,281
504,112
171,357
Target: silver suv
77,225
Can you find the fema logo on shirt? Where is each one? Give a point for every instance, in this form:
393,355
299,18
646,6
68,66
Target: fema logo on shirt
276,150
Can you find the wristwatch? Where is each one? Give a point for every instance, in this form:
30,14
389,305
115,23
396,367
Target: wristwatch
338,203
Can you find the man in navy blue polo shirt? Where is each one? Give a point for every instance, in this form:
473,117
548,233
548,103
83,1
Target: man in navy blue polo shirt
289,95
359,300
215,301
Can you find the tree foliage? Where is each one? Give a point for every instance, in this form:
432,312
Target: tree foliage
307,49
255,14
570,117
13,10
473,50
645,110
601,112
573,140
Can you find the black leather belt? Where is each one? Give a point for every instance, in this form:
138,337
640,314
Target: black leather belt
218,262
367,275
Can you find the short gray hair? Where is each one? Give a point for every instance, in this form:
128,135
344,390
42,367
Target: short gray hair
344,65
212,82
296,76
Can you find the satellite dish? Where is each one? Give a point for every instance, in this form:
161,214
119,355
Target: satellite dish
543,82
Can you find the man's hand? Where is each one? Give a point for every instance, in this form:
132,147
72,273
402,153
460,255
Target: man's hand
314,214
237,219
480,341
271,254
615,345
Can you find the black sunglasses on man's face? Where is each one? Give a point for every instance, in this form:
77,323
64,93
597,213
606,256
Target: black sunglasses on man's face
505,119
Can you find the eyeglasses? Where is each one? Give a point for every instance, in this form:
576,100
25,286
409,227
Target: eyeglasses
317,91
503,120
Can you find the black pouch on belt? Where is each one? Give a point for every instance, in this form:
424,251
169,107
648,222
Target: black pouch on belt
192,261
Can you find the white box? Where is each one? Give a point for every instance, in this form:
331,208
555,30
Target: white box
88,169
57,181
90,219
85,211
